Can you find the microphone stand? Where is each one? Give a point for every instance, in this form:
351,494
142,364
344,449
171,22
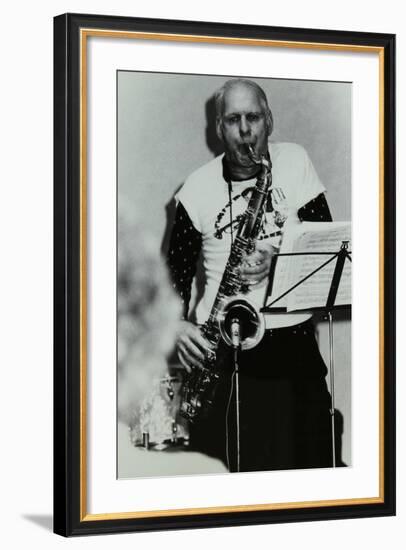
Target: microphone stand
236,343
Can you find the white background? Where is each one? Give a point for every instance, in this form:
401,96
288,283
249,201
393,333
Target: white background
26,275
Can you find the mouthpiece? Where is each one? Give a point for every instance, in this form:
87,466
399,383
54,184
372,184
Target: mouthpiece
251,154
257,160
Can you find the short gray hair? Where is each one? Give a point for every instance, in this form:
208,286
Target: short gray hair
219,96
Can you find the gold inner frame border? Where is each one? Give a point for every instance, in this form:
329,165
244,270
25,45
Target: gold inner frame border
84,34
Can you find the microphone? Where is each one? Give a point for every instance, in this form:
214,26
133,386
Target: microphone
235,333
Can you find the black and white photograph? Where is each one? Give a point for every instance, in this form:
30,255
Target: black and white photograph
234,256
220,359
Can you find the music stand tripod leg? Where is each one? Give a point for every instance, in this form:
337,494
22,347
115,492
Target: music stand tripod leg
332,389
342,254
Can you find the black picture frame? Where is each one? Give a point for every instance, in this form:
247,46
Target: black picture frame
69,509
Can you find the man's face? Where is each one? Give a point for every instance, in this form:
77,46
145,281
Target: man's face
244,121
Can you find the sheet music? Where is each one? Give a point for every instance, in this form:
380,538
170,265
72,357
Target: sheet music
313,292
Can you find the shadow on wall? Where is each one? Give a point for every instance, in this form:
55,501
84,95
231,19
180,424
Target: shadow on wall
215,146
213,142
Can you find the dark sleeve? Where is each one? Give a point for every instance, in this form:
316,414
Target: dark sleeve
184,249
316,210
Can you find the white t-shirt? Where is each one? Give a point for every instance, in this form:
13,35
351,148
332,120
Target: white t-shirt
205,196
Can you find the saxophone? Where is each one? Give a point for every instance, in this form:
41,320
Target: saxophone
199,385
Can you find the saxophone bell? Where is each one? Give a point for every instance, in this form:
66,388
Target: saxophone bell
251,322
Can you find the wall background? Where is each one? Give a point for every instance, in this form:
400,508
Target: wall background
26,274
166,130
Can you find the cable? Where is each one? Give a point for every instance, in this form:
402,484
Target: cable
230,201
227,413
231,211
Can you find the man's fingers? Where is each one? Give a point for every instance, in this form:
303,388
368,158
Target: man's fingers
199,340
188,357
255,256
256,269
256,265
184,363
191,345
192,348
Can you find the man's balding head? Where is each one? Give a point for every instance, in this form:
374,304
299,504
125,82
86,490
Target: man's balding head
219,97
243,118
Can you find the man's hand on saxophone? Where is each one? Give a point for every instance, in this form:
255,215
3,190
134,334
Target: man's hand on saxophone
191,345
255,268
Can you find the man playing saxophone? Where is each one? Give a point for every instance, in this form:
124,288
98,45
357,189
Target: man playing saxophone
284,401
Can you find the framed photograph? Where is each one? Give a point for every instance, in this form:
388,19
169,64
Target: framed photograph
224,274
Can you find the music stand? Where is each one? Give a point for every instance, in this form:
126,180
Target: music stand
340,257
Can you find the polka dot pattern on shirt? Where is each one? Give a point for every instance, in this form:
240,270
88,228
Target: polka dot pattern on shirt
316,210
184,249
